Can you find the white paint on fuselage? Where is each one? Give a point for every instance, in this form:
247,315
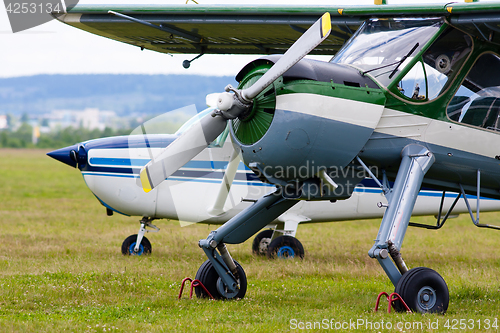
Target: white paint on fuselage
456,136
333,108
402,124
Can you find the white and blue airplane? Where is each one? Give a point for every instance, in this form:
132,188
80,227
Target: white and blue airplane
215,186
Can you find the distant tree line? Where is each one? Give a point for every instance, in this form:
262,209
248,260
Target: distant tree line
23,137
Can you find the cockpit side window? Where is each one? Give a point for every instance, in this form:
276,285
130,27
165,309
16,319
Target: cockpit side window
477,101
414,85
444,59
434,71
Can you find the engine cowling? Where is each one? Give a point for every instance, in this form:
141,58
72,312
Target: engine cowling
316,116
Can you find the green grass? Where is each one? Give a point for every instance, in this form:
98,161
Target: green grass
61,268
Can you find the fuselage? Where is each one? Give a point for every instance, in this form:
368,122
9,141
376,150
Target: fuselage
110,168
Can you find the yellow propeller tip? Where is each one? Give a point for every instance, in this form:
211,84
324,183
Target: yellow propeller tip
326,24
146,185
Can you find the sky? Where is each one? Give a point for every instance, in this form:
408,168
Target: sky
56,48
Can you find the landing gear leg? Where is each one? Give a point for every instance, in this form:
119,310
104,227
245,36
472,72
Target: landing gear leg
423,288
231,280
138,244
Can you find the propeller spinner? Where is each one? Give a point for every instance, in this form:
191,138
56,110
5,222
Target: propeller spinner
230,106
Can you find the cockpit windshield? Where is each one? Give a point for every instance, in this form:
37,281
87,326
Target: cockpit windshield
383,47
193,119
218,142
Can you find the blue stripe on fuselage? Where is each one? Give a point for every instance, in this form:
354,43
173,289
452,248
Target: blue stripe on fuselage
186,179
366,186
182,173
128,162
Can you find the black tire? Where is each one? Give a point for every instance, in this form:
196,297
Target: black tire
209,277
423,290
129,244
261,242
285,247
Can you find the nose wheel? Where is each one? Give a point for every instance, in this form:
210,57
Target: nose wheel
423,290
285,247
128,246
211,280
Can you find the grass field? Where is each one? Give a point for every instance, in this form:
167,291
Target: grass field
61,269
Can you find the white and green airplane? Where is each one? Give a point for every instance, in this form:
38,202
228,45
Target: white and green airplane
411,90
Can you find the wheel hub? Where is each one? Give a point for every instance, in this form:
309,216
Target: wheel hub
221,288
285,252
426,298
264,245
132,251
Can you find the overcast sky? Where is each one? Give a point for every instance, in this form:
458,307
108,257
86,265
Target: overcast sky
56,48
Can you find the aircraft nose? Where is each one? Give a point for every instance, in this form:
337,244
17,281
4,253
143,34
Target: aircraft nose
67,155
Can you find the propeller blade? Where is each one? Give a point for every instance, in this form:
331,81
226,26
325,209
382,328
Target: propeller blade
316,34
182,150
225,186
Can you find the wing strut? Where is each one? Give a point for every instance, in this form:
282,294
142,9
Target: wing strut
478,196
160,27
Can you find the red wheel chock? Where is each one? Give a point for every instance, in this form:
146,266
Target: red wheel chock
194,283
391,299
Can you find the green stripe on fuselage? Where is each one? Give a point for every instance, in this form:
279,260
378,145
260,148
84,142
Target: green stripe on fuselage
360,94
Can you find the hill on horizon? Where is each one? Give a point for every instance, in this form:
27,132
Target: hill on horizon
126,94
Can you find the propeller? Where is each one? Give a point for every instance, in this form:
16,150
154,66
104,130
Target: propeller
230,106
225,186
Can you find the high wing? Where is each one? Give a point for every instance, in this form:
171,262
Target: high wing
222,29
210,29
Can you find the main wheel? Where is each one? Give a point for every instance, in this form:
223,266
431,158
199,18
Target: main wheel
211,280
423,290
285,247
128,246
261,242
